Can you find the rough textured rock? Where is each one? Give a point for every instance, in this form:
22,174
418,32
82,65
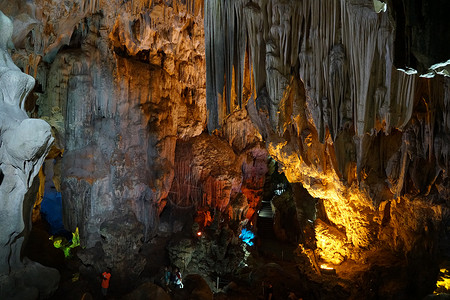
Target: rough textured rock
123,86
31,281
197,288
212,170
218,252
119,82
24,143
213,174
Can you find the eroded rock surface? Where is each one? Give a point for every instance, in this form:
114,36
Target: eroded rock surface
119,83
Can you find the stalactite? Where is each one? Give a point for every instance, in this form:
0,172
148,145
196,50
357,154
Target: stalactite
215,71
342,51
90,6
140,6
226,44
337,88
255,14
186,190
319,38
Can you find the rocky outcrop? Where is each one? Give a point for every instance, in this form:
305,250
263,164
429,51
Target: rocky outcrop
119,83
217,252
221,172
24,143
197,288
208,166
123,86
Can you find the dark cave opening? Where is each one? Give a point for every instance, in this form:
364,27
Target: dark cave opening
278,215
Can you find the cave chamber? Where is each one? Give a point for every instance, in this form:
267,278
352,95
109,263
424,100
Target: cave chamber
293,147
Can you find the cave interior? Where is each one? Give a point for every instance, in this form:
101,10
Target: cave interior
292,148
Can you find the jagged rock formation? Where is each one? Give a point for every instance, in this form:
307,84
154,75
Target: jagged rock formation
24,144
217,252
119,85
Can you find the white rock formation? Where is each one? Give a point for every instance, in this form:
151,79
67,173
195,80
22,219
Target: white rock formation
24,143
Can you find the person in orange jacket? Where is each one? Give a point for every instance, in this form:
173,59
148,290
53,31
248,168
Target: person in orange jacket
105,281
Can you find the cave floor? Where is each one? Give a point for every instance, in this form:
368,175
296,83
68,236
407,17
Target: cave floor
272,261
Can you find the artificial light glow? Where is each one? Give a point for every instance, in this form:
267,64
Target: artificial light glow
199,233
325,269
247,236
379,6
324,266
408,71
443,282
64,245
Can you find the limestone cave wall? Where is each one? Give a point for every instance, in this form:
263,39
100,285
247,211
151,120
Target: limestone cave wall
119,82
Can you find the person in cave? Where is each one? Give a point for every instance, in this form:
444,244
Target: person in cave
167,277
106,276
178,279
269,292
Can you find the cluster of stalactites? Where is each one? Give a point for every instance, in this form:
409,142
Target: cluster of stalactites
225,43
191,6
342,51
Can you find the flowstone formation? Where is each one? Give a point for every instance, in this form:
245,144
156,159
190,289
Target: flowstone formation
366,139
24,144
